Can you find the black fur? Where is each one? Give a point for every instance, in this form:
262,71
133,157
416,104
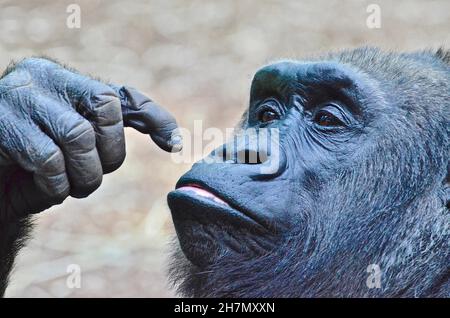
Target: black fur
13,236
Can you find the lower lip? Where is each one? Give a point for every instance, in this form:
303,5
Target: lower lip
197,199
203,193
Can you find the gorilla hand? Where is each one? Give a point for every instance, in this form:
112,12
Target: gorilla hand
61,131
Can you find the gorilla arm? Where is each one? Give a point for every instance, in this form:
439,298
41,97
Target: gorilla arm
60,132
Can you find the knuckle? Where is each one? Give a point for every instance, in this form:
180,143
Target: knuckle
107,108
50,159
112,166
59,195
53,161
111,146
105,96
53,184
110,102
87,188
80,133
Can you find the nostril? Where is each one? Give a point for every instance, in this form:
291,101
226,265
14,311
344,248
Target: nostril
250,156
234,153
244,156
222,155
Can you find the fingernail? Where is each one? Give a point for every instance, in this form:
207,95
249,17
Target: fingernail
177,143
177,147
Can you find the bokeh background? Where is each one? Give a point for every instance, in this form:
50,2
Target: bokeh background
197,59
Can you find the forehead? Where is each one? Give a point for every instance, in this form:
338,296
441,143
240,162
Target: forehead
380,80
288,76
312,81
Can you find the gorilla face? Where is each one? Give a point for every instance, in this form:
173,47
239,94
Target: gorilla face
230,206
361,146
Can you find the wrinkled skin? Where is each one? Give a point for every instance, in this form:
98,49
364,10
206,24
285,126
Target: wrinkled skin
363,179
59,133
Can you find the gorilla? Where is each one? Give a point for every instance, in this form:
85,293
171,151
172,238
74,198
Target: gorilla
357,206
363,184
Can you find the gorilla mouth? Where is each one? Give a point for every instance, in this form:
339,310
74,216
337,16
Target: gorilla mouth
206,224
198,190
195,199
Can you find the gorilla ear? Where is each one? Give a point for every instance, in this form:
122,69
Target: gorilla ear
444,55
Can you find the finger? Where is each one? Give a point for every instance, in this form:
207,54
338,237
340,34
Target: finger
147,117
98,103
32,150
76,138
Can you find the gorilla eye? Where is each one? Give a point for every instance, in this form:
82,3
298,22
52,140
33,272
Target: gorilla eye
267,115
329,117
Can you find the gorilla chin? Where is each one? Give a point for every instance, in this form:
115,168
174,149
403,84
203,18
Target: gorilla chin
209,227
359,206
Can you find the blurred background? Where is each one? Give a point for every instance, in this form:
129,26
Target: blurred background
197,59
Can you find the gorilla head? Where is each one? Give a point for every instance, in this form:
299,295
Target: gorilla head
360,193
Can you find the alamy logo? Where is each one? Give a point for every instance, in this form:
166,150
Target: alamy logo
374,278
74,278
73,20
373,21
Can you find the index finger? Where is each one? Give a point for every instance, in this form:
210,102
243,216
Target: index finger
147,117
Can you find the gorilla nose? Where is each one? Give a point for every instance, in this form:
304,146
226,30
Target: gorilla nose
243,155
250,147
262,156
